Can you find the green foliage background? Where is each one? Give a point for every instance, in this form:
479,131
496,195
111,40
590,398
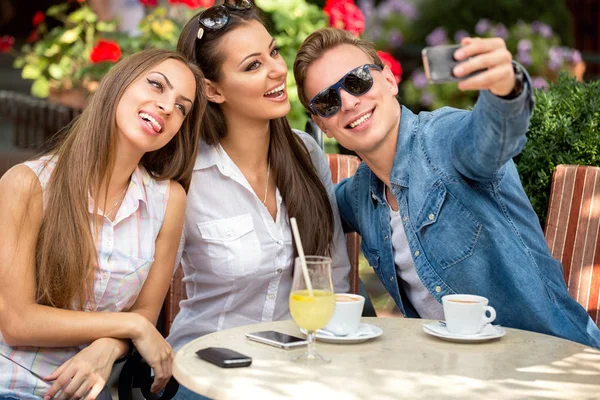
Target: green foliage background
464,14
564,129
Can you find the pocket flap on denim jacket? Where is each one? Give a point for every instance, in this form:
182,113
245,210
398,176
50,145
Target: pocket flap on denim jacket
431,206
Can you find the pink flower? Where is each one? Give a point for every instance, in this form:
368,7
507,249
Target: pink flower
6,43
149,3
344,14
105,50
393,64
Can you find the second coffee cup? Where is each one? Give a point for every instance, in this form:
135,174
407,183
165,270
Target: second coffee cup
466,314
346,317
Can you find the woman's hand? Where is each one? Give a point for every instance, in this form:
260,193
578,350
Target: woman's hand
85,374
155,350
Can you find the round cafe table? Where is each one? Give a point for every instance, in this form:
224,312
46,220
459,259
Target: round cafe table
403,363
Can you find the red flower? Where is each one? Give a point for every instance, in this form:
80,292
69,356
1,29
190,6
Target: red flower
149,3
194,3
6,43
38,18
105,50
393,64
344,14
33,36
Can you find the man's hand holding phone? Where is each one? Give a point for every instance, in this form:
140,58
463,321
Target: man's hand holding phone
476,64
490,55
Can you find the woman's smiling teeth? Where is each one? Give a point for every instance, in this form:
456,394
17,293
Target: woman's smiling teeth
154,124
360,121
278,91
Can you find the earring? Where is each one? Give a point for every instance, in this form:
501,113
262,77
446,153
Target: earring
200,33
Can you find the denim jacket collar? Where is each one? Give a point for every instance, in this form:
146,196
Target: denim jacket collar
399,174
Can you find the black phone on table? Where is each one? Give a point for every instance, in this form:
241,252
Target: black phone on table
438,62
277,339
224,358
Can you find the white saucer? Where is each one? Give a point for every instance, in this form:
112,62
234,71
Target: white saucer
489,332
362,335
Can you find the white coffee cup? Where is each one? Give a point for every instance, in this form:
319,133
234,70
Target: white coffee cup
346,317
466,314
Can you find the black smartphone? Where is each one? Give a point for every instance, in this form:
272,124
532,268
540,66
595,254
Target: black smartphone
438,62
224,358
277,339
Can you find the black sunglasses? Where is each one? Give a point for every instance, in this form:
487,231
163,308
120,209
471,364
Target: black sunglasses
356,82
216,17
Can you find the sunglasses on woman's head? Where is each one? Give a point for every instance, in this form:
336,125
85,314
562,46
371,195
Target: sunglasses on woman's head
356,82
216,17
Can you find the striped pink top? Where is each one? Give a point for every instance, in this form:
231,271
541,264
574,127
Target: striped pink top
125,249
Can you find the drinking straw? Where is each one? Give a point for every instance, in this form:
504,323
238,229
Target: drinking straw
301,255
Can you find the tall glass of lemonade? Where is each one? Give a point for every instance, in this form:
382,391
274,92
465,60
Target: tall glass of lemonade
312,310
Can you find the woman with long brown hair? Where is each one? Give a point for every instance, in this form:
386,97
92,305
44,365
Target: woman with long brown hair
252,173
90,233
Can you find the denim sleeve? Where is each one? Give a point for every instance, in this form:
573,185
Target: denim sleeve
492,134
343,195
340,268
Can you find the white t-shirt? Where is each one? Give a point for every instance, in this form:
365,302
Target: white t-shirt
425,304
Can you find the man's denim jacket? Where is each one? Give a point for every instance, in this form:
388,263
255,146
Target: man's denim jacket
469,224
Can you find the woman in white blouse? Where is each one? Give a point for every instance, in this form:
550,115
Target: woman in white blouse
90,233
252,173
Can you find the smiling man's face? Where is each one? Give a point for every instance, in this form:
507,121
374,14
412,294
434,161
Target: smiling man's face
363,122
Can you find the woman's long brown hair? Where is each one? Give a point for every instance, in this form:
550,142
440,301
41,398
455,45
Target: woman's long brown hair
66,254
303,194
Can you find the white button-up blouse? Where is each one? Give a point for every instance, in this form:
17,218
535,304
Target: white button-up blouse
237,260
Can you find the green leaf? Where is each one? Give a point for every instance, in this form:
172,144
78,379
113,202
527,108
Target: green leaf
40,88
52,50
82,14
70,36
57,10
19,63
104,26
56,71
31,72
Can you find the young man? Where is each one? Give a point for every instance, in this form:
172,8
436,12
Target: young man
438,200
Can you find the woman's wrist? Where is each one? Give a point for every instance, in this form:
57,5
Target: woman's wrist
114,348
138,325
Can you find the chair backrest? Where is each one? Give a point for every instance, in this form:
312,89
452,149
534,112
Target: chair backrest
573,232
341,166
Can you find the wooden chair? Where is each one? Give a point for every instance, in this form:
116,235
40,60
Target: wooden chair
573,232
341,166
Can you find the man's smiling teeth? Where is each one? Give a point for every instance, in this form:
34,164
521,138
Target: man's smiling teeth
277,89
360,120
155,125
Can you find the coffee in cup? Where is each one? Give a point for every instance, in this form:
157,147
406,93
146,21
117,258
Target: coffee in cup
346,317
466,314
344,298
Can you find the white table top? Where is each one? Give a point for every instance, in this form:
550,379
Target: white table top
404,362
